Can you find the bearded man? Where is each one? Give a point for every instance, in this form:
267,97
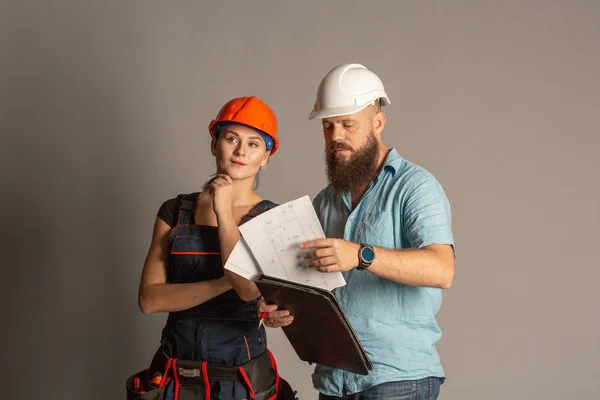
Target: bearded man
388,230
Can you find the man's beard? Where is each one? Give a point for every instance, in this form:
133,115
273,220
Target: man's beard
357,171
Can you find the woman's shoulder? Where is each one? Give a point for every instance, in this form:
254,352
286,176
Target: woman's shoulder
266,205
261,207
168,211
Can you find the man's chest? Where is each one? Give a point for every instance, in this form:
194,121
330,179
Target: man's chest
370,223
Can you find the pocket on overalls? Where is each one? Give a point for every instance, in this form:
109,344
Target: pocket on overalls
254,343
200,258
190,244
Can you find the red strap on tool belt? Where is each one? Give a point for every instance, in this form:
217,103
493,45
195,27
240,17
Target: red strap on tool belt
192,379
243,371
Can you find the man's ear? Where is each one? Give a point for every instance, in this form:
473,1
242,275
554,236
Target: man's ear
379,122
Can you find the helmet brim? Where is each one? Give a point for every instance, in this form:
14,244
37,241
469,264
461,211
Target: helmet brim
341,111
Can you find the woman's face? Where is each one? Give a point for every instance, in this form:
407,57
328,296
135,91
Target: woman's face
240,152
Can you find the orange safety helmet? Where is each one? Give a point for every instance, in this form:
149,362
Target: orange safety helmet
251,112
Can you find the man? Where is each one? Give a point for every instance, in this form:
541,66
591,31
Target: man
388,228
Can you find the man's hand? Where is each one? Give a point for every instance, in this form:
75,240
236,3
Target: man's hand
275,318
331,255
221,191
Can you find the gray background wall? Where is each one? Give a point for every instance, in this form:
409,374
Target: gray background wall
103,112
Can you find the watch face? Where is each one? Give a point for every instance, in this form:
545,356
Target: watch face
367,254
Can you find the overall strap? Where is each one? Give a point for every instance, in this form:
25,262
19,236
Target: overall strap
261,207
186,208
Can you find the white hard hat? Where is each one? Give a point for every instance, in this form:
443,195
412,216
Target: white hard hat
347,89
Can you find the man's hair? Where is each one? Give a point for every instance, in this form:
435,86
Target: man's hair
377,104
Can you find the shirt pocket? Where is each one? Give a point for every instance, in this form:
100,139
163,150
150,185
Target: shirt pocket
376,228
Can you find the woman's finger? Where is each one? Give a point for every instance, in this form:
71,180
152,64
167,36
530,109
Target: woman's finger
225,178
219,181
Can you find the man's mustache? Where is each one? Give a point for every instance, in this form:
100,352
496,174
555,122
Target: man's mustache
340,146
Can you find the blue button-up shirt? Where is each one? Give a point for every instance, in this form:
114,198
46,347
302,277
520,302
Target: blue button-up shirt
403,207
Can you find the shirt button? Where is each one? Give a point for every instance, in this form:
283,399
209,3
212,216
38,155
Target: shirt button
260,339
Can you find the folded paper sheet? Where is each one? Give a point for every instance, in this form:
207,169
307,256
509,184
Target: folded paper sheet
242,262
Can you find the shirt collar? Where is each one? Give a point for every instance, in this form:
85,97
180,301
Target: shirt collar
392,161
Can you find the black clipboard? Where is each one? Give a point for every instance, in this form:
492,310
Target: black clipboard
320,332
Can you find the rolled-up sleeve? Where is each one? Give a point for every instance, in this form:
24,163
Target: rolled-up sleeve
427,216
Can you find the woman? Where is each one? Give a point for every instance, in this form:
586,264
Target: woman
211,344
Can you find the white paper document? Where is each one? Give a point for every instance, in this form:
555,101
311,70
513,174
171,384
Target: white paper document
273,238
241,261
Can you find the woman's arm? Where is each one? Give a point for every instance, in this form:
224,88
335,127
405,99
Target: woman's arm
221,191
229,235
156,295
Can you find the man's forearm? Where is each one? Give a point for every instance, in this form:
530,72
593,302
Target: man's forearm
431,266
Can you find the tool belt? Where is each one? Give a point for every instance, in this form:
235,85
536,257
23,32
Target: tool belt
192,380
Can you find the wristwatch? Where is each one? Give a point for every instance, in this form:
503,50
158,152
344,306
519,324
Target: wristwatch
366,255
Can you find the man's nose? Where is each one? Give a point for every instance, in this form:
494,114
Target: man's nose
337,134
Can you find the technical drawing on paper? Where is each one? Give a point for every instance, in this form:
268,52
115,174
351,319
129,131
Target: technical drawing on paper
274,238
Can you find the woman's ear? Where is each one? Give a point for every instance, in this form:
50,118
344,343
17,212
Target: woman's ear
213,145
265,160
